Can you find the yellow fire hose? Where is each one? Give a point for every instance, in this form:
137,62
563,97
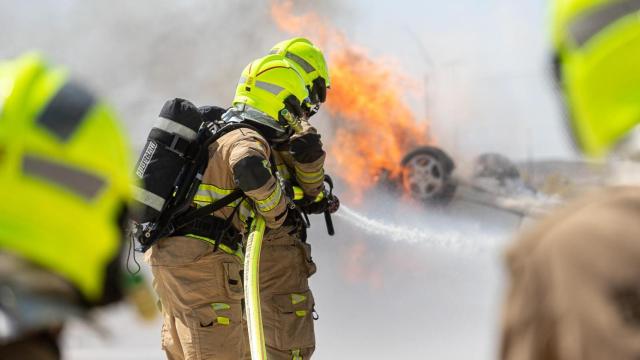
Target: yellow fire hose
252,289
252,282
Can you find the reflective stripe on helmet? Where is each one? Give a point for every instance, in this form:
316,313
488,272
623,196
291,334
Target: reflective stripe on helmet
77,181
272,88
271,201
64,113
148,198
300,61
588,25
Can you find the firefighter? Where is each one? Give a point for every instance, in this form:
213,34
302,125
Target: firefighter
574,288
65,174
286,262
200,289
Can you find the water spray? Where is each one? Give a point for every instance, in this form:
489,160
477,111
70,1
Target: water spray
453,240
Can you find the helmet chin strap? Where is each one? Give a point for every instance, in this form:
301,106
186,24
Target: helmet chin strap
628,149
625,160
273,132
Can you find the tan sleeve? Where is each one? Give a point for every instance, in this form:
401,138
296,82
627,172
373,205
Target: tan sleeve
573,288
310,174
251,169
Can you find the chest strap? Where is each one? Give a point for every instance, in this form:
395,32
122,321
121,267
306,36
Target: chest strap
212,230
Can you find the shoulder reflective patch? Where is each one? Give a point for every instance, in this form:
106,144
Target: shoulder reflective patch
66,110
591,23
251,173
75,180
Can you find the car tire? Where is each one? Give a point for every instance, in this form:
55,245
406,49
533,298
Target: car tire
427,175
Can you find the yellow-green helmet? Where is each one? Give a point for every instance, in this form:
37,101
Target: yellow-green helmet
597,45
310,63
274,88
65,176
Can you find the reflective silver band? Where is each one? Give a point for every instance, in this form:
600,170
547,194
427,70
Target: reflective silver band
272,88
588,25
173,127
148,198
300,61
75,180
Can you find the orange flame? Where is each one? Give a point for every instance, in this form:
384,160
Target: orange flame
375,126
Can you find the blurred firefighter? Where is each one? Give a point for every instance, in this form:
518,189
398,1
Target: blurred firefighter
201,289
286,262
65,173
575,278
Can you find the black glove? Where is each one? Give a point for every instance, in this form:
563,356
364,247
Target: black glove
329,203
306,148
314,207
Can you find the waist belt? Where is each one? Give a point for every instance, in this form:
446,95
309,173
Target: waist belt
296,220
212,230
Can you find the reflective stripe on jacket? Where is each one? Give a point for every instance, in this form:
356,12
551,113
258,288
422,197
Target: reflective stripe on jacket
218,180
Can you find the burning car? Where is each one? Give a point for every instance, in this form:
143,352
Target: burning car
527,188
377,138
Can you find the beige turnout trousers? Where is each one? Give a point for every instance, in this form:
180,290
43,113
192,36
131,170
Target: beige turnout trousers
574,292
201,297
287,303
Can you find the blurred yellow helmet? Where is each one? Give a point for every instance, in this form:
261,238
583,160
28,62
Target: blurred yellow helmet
274,88
597,44
309,62
65,175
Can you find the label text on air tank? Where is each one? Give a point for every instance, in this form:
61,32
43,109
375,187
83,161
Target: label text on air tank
146,158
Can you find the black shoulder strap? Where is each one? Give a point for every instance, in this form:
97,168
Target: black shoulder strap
190,216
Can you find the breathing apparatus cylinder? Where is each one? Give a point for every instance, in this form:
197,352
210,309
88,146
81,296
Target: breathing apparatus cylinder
171,146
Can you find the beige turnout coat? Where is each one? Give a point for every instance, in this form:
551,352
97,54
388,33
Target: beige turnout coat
574,287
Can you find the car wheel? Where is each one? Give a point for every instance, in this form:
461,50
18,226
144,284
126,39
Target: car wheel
426,175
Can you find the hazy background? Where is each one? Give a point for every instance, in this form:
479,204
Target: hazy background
428,284
484,62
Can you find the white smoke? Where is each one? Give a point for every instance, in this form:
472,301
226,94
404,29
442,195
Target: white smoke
420,296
